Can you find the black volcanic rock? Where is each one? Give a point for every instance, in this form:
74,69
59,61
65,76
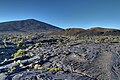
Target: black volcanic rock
27,26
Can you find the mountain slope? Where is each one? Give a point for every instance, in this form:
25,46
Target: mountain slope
27,26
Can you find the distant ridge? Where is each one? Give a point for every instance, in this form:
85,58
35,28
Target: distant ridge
99,29
95,31
28,25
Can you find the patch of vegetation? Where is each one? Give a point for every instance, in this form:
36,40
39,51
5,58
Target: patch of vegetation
19,63
4,41
20,44
2,52
55,69
11,69
19,52
100,39
60,41
37,44
38,67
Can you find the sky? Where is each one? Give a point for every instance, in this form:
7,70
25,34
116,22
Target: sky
64,13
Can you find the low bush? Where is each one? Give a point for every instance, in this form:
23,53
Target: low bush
19,52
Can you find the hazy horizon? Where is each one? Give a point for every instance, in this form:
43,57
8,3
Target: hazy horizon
64,13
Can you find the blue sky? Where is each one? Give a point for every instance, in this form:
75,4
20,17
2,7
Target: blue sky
64,13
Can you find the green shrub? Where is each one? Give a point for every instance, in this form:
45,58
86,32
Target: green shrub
20,44
37,44
19,52
2,52
55,69
11,69
52,69
4,41
60,41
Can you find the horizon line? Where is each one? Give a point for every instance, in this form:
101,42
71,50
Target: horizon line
58,26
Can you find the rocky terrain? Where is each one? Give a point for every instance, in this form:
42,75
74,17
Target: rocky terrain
70,54
41,57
